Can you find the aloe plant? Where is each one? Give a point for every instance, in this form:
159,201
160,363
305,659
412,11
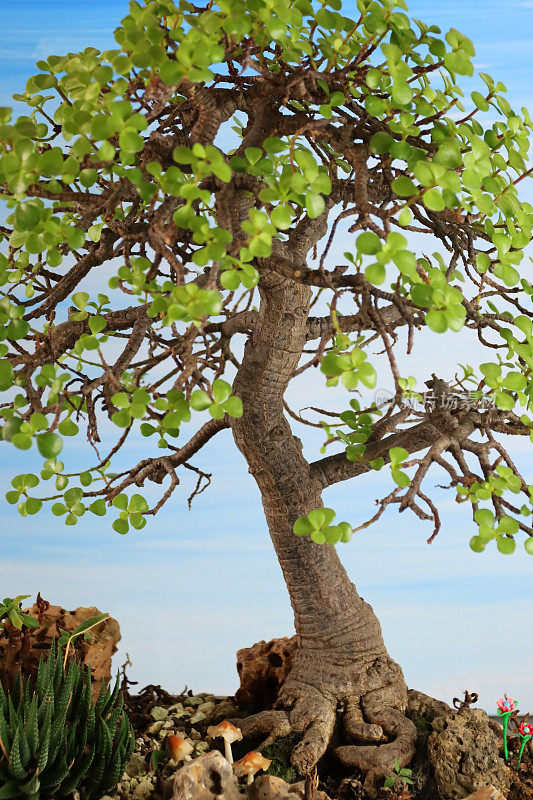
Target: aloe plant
54,738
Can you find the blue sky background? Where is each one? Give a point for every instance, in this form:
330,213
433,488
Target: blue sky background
194,586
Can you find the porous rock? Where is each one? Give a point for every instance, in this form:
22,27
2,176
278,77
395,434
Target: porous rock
486,793
262,670
97,653
463,751
270,787
208,777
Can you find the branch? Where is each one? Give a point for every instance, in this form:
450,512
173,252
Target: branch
336,468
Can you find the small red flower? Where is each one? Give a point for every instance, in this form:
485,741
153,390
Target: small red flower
506,705
526,729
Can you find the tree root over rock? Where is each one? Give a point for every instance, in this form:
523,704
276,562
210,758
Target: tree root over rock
368,698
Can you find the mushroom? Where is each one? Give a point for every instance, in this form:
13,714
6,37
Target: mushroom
249,765
229,733
178,748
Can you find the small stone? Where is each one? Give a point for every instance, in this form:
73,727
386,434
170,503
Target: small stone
486,793
158,712
201,747
270,787
198,717
208,777
155,727
195,700
207,707
144,789
136,766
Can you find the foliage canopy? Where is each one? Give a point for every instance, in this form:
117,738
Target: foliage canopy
216,145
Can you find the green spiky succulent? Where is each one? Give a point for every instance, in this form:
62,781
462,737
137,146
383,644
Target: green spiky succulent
54,738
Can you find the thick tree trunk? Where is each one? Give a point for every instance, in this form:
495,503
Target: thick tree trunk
341,659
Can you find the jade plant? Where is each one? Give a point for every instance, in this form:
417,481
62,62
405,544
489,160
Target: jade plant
55,739
234,194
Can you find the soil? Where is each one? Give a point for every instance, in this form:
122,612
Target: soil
155,713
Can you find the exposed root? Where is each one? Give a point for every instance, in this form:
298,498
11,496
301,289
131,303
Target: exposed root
370,697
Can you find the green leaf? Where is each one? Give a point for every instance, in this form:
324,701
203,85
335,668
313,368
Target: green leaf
515,381
200,400
484,517
436,320
403,186
508,525
477,544
302,527
433,200
398,455
282,217
401,478
376,274
130,141
504,401
21,440
505,545
316,517
314,204
233,406
221,390
368,243
6,374
137,504
98,508
121,502
121,526
381,143
49,444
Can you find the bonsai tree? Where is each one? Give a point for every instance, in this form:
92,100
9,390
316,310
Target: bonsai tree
184,192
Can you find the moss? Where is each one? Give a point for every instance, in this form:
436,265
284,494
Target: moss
281,770
280,752
421,723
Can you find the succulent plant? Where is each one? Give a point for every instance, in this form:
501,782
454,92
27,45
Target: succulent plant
54,738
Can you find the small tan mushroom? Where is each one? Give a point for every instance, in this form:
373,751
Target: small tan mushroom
249,765
178,748
229,733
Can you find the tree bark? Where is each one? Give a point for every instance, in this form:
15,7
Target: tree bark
341,659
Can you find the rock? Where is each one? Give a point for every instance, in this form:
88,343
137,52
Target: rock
144,789
136,765
98,652
208,777
300,789
269,787
155,727
158,713
463,751
262,669
487,793
226,708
